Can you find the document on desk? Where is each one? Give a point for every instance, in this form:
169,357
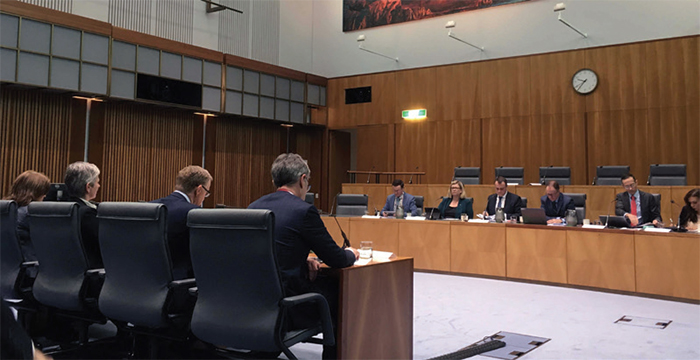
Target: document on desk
377,256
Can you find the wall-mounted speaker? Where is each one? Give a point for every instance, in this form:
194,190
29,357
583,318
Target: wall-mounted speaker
155,88
358,95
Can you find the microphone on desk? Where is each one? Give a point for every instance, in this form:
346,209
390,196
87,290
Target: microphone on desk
607,217
679,217
544,178
369,174
410,180
346,242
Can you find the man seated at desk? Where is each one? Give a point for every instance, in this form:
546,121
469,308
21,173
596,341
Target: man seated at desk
555,203
637,206
400,199
511,203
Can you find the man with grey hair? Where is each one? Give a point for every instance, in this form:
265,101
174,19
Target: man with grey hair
299,230
192,186
82,182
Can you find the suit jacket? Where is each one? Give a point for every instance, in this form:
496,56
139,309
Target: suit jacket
14,343
650,209
463,207
409,204
559,211
513,204
25,241
178,233
298,230
90,232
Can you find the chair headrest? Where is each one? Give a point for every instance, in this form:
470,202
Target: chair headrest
251,219
52,209
579,198
667,170
612,171
130,211
467,172
6,205
555,171
352,199
507,172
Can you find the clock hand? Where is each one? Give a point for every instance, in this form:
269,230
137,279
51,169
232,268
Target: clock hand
581,84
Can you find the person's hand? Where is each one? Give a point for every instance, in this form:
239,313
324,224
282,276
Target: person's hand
313,265
634,221
657,223
383,213
554,221
486,213
38,355
354,251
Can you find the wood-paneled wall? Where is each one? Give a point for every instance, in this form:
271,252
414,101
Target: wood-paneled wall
523,112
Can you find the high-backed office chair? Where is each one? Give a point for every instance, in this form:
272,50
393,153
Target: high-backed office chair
513,175
241,302
352,204
657,198
64,280
140,293
580,203
560,174
468,175
419,203
310,198
523,202
667,174
610,175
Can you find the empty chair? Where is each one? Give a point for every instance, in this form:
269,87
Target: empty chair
513,175
241,302
580,204
560,174
16,279
419,203
610,175
667,174
468,175
139,293
64,280
310,198
352,204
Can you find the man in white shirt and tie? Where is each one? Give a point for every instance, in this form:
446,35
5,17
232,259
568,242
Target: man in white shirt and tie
637,206
511,203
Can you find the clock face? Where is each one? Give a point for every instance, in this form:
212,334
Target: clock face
584,81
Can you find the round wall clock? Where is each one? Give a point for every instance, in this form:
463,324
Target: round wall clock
584,81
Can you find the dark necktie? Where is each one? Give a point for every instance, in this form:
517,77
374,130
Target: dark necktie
500,202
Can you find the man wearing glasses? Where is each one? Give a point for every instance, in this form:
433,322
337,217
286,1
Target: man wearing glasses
191,188
637,206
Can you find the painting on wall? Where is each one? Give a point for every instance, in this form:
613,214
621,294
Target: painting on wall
363,14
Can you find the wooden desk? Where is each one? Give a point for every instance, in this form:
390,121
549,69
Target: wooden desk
375,317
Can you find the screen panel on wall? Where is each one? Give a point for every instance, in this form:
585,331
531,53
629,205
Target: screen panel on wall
362,14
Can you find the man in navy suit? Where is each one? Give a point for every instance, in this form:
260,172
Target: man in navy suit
191,187
298,230
400,198
511,203
555,203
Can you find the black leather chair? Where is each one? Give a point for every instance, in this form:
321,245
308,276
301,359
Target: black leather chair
468,175
560,174
139,292
352,204
241,302
17,275
657,198
523,201
513,175
419,204
580,203
64,281
610,175
667,174
310,198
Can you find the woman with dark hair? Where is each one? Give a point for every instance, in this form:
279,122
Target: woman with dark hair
689,214
28,186
456,203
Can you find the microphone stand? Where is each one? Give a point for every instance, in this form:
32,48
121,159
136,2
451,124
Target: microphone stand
544,179
679,216
607,219
369,174
346,242
410,180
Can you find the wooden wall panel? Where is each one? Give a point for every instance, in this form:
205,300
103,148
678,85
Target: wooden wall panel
674,135
457,92
505,87
559,140
437,147
380,111
550,83
673,72
375,148
338,164
505,142
144,148
621,78
35,128
415,89
309,144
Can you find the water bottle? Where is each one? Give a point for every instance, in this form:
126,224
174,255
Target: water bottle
400,214
500,215
571,218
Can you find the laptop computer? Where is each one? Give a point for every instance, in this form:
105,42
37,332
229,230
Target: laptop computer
432,213
534,216
614,221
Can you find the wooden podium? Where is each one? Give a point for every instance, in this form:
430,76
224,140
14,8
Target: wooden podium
375,317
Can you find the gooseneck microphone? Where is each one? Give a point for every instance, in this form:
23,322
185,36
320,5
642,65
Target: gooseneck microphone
544,178
346,242
369,174
679,217
410,180
607,218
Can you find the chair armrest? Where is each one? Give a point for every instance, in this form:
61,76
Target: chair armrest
184,283
28,264
194,291
323,311
100,273
180,302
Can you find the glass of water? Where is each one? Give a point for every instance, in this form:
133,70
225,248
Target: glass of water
365,249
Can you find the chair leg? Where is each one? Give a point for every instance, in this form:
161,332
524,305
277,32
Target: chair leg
289,353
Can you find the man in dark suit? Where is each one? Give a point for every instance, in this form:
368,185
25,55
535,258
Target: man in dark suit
192,186
400,199
14,342
511,203
645,208
555,203
82,182
298,230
